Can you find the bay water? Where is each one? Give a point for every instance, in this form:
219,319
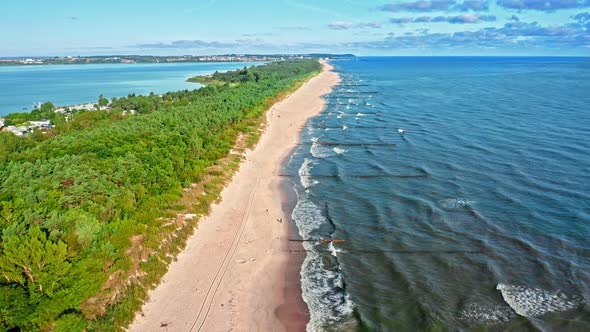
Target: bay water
23,87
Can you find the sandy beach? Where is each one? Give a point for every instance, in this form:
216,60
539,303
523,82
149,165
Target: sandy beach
236,273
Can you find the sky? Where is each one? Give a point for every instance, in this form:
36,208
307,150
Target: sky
362,27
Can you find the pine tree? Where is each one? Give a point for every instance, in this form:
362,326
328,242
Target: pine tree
34,262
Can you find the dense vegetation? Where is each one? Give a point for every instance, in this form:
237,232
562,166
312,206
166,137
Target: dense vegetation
45,111
253,74
88,211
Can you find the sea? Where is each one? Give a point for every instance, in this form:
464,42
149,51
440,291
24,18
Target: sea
23,87
475,217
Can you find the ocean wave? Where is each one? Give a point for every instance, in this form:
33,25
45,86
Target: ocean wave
455,203
322,286
332,249
486,314
340,150
321,151
305,179
534,302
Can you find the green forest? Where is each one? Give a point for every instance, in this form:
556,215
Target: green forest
86,208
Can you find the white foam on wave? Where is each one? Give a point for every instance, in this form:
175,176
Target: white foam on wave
332,249
321,151
311,131
340,150
487,314
361,114
329,307
307,216
534,302
305,179
344,127
455,203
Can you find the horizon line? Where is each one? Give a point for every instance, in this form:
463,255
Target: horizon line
299,54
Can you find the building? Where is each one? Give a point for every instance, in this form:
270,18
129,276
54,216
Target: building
18,131
29,127
31,61
43,124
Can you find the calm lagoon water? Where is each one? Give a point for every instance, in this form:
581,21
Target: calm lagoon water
478,218
25,86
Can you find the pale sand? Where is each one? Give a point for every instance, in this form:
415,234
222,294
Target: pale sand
232,274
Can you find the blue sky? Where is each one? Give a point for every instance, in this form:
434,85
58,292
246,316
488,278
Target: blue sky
404,27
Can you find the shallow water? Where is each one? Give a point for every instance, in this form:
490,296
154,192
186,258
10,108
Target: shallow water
477,218
21,87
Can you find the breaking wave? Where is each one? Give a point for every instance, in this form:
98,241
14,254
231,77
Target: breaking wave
306,180
455,203
322,286
486,314
534,302
340,150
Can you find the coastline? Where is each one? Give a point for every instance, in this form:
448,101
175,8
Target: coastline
236,272
112,80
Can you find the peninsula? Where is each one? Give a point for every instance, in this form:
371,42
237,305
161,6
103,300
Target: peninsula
115,195
234,273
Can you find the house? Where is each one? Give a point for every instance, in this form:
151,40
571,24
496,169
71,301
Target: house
43,124
18,131
29,127
31,61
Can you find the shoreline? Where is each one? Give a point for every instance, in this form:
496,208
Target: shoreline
236,272
88,103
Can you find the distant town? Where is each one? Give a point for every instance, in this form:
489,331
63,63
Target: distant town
27,126
129,59
40,119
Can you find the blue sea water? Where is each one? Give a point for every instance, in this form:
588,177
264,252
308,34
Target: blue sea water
477,218
21,87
